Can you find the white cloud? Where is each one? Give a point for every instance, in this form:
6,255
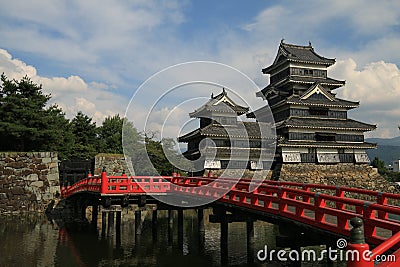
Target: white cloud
14,67
377,87
72,94
70,84
102,42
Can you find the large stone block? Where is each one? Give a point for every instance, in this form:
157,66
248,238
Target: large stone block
8,171
36,160
46,160
17,191
47,196
31,177
53,177
41,166
54,189
9,160
17,164
37,184
53,165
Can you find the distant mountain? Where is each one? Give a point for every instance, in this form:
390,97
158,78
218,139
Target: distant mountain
385,141
388,149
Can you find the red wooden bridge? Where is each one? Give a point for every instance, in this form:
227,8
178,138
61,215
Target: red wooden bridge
328,208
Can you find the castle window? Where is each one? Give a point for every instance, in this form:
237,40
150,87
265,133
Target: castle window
280,75
325,137
312,150
318,111
308,72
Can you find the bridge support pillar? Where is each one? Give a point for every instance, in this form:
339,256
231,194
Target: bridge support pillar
138,222
200,220
180,229
118,216
224,239
250,241
103,223
95,214
118,227
201,229
154,225
110,226
170,226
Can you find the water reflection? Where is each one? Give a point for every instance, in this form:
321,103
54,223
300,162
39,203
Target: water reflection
36,241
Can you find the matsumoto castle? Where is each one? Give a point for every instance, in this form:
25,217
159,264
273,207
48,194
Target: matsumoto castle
312,125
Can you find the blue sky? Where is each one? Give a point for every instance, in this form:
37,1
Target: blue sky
92,55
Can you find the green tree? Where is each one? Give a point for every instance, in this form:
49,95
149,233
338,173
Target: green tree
134,149
26,124
380,165
110,135
85,137
60,137
157,150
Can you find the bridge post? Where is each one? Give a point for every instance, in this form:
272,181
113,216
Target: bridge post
358,245
95,214
224,237
250,240
138,222
110,227
180,229
103,223
170,226
200,220
201,229
154,225
118,227
104,181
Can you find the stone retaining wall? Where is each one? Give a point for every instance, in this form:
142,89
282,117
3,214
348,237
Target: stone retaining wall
235,173
115,164
28,181
344,174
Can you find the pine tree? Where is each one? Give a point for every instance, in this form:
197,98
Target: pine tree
85,137
110,135
26,124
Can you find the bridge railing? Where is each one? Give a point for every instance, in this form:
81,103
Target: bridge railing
114,185
134,185
92,183
384,247
296,201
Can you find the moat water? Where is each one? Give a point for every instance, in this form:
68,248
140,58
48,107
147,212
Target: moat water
37,241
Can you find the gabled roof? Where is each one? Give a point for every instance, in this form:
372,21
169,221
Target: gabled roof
339,103
232,131
324,81
329,82
317,89
287,143
232,152
220,103
325,123
298,53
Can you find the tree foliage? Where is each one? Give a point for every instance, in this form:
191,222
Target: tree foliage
110,135
380,165
26,123
388,175
85,137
